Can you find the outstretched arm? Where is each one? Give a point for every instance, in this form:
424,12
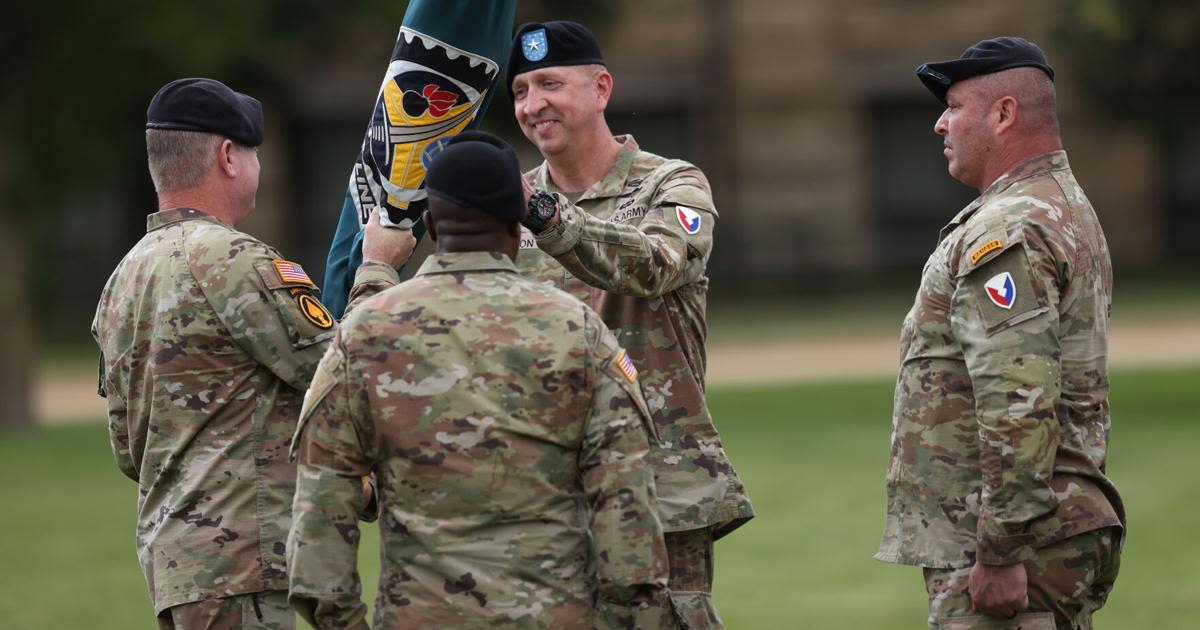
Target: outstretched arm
667,249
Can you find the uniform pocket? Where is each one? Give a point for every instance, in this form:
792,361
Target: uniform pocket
695,609
1003,290
1023,621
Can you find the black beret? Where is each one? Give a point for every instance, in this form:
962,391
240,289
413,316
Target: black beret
478,170
207,105
986,57
556,43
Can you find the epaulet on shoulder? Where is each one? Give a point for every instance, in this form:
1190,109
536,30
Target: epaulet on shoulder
593,326
227,242
222,232
670,165
1035,198
671,170
608,342
647,163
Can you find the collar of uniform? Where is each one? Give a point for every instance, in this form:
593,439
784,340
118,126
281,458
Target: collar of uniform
1039,165
459,262
1053,161
175,215
611,184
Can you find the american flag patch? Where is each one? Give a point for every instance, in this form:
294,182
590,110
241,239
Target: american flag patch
626,366
292,272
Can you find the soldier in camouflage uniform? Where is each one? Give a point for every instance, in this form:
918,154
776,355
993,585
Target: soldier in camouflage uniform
506,431
208,339
630,233
996,483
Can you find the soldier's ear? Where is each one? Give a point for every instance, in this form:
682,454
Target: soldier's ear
1007,109
225,158
428,221
603,84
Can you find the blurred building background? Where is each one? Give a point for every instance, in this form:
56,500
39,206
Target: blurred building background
805,114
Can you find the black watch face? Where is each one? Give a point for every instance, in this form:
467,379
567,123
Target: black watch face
544,206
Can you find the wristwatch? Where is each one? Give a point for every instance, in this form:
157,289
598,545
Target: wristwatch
542,207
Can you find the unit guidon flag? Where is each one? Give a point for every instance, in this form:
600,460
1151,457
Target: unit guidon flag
438,82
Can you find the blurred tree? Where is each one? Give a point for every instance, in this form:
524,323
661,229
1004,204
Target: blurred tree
78,75
1139,62
1137,59
598,15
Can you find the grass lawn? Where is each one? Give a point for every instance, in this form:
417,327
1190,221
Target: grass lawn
812,456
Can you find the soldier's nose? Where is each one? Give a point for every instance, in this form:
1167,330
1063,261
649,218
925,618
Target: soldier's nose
940,127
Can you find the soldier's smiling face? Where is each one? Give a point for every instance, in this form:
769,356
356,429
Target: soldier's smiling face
555,104
966,135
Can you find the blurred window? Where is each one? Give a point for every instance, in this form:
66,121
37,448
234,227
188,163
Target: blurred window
662,130
1183,192
912,195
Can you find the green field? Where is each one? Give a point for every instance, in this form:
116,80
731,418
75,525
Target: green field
812,456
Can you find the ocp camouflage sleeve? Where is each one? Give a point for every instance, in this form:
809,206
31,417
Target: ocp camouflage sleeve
322,548
371,278
118,416
644,259
1013,357
262,310
628,549
118,434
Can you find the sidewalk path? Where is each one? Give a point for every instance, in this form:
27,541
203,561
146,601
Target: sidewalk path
1141,344
69,394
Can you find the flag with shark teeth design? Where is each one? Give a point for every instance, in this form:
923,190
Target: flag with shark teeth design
439,81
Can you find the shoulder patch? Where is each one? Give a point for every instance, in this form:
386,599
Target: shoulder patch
989,246
314,311
688,218
292,273
1001,290
625,364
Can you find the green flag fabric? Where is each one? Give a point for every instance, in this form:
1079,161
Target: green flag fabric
445,66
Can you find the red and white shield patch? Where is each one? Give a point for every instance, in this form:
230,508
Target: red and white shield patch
688,218
1001,290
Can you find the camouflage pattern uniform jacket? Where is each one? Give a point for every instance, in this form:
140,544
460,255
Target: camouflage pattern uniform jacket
1001,423
206,350
634,247
508,438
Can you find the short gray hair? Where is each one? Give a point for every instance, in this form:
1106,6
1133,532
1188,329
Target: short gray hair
179,159
1034,91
